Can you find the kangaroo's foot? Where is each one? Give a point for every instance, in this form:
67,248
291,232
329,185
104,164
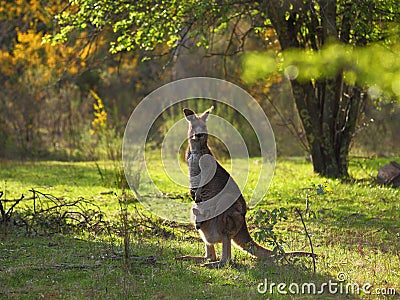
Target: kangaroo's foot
226,254
210,255
301,254
215,264
198,259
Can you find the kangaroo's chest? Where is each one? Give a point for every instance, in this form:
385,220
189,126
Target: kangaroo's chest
205,173
194,169
194,164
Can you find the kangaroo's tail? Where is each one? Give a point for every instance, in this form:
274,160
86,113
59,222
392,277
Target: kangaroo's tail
246,242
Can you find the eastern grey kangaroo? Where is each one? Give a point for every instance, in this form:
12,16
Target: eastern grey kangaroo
226,224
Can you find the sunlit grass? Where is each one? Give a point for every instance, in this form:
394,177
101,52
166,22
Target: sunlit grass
356,232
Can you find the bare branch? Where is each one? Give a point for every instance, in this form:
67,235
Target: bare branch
309,238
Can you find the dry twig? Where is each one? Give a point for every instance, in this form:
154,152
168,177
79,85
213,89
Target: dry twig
308,236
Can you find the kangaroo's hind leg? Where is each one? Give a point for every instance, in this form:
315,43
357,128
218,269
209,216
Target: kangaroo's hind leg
226,254
210,253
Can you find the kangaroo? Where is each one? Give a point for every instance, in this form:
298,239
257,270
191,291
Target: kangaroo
208,180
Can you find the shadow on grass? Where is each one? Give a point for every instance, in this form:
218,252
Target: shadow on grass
245,279
66,267
354,214
60,266
362,220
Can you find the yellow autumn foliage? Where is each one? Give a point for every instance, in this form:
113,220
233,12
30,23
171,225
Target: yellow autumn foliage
31,60
99,123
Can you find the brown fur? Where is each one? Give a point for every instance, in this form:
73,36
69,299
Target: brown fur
231,224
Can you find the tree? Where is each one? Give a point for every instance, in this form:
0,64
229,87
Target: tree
30,103
329,106
328,103
45,104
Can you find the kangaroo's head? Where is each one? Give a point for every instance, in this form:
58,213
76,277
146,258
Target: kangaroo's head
197,133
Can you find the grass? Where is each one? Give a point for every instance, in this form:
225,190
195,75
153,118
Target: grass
356,233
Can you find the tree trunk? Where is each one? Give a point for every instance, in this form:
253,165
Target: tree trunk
329,116
328,108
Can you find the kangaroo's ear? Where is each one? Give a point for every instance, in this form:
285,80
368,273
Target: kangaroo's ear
205,114
189,114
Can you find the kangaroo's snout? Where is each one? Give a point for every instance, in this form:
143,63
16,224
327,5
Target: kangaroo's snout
196,134
199,135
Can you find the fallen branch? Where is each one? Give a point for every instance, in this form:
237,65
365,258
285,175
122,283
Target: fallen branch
51,213
6,215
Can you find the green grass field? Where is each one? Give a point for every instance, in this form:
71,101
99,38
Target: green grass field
355,233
